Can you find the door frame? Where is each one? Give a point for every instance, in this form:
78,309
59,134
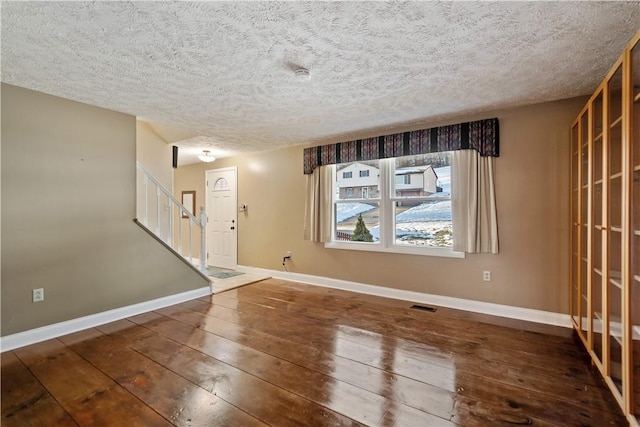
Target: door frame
209,224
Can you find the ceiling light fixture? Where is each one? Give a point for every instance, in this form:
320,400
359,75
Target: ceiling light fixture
302,74
206,157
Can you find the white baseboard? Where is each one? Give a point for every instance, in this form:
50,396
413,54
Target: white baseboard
55,330
520,313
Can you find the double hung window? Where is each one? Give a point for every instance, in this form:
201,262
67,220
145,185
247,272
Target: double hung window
394,205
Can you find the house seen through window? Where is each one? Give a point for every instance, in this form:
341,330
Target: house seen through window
394,203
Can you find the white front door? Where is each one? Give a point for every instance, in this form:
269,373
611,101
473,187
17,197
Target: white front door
222,227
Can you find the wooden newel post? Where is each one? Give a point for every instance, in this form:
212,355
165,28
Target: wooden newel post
203,242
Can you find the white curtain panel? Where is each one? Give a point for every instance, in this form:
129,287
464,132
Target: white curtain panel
318,205
475,222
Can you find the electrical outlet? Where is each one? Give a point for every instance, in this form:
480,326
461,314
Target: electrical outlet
486,276
38,295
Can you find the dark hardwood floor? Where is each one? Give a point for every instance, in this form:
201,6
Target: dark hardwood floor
285,354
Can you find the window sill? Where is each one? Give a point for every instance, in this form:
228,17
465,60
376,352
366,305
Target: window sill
407,250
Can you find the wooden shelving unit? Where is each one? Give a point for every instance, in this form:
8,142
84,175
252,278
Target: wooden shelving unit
605,231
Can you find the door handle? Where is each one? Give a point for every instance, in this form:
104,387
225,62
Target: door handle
233,228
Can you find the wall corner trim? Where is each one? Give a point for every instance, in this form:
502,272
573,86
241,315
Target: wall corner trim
512,312
32,336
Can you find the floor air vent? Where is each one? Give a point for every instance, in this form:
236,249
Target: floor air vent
424,308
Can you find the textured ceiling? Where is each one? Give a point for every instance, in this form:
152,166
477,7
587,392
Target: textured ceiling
222,72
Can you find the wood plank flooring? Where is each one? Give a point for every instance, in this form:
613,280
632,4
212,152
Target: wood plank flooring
286,354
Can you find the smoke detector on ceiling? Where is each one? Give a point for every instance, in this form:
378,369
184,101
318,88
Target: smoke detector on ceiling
302,74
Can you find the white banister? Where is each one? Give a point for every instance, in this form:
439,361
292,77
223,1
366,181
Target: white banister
174,205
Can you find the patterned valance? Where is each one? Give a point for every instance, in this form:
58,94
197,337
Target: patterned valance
481,135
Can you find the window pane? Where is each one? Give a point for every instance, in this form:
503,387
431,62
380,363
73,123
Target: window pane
426,223
358,180
423,175
359,222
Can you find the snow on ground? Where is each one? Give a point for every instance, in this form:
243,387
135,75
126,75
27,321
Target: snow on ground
427,211
424,233
347,210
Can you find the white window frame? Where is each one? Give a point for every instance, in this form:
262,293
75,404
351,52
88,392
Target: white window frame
387,221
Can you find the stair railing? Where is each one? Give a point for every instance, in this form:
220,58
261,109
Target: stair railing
161,219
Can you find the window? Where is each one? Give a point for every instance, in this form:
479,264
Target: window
403,179
406,209
346,175
364,174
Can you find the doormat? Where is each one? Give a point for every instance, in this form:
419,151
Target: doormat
221,273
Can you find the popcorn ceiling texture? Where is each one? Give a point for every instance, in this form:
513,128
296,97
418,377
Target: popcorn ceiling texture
225,70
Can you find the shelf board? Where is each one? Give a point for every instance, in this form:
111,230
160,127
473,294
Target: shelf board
636,168
597,271
615,327
637,97
616,121
597,137
584,297
598,227
616,229
615,176
615,283
636,278
618,339
636,232
597,182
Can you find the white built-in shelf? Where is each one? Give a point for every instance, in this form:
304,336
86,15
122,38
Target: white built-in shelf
616,121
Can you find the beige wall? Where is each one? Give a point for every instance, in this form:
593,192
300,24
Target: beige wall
153,152
532,181
68,200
